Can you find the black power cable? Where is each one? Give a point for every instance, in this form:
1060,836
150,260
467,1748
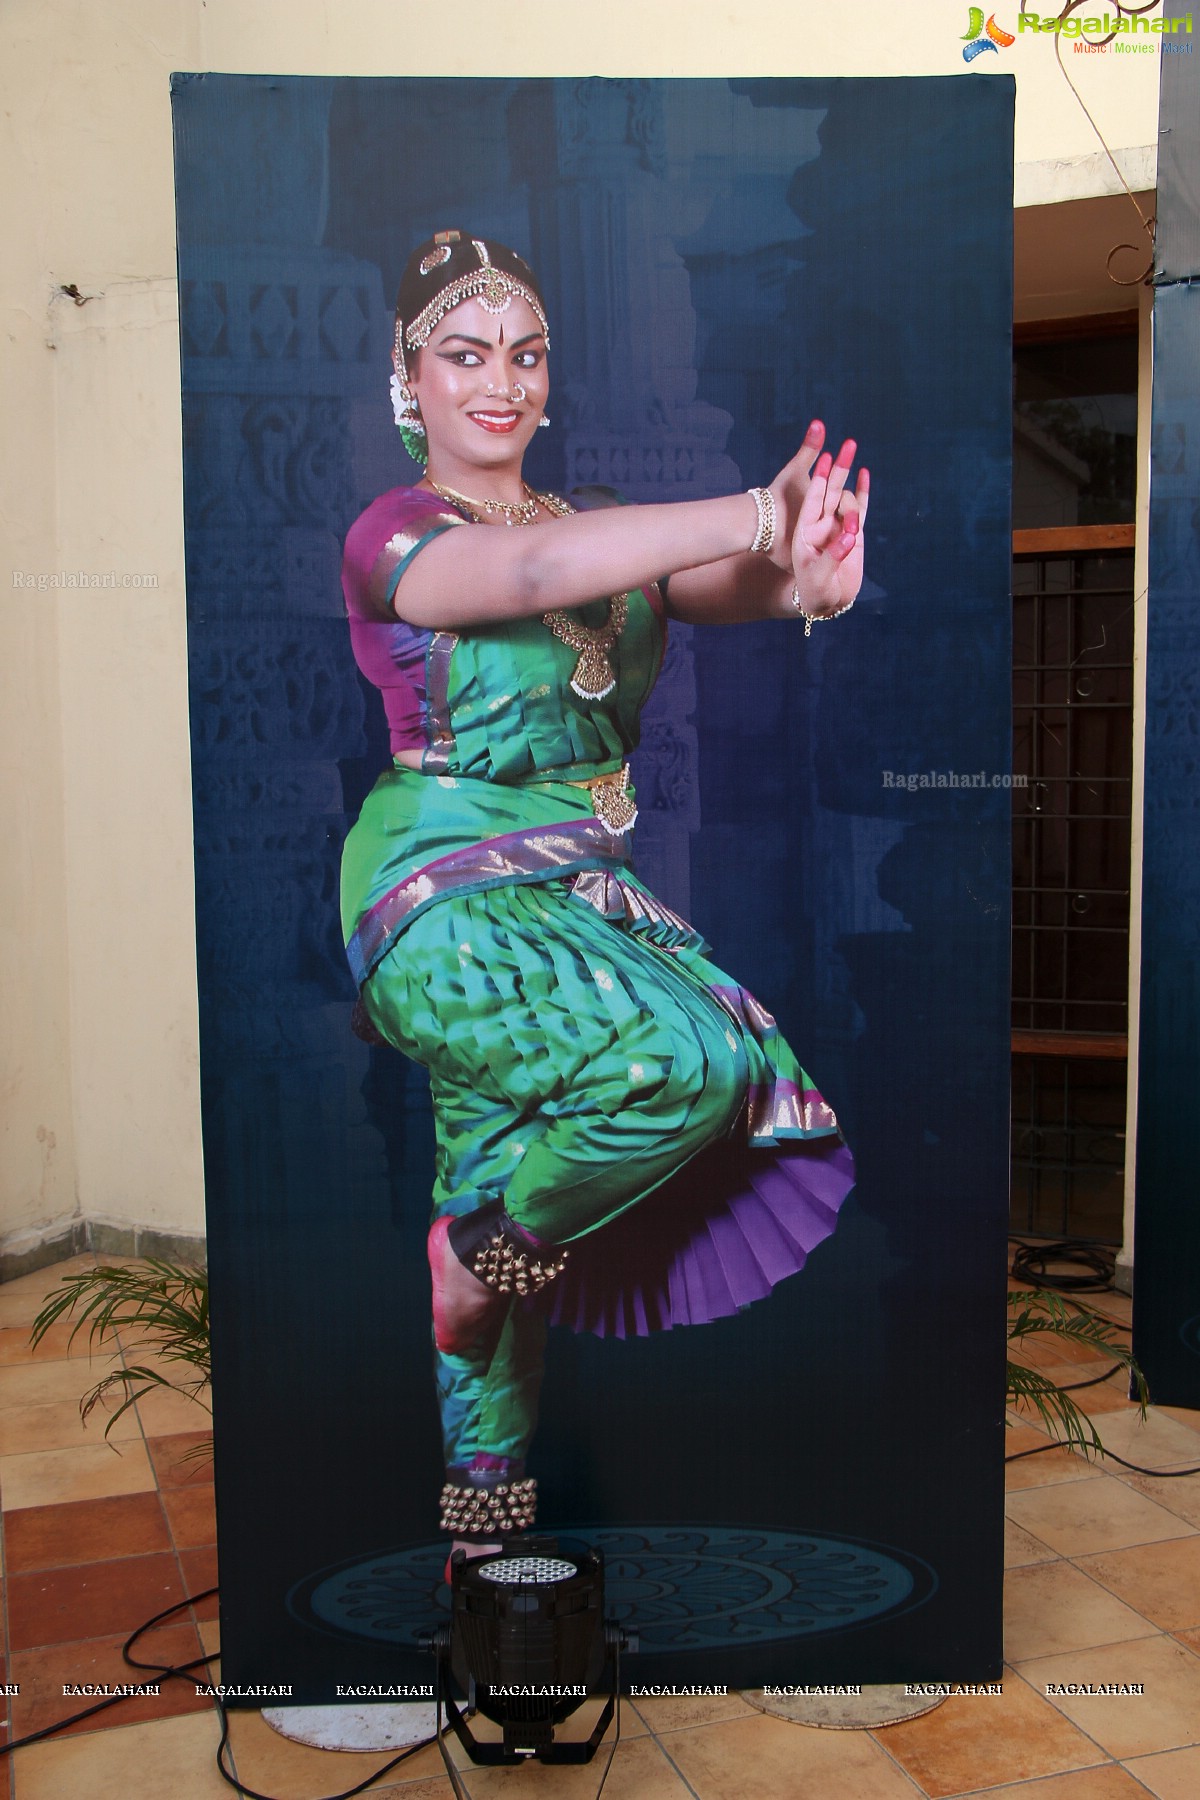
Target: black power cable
160,1672
1106,1456
1029,1265
1096,1265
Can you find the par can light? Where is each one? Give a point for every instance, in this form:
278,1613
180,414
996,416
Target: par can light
526,1645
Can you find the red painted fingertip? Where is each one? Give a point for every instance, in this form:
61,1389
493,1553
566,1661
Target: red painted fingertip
815,430
824,464
847,453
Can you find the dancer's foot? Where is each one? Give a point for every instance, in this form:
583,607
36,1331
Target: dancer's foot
464,1308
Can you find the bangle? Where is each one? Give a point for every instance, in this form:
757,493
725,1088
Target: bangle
811,619
764,502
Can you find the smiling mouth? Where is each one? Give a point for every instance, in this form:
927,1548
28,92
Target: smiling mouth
496,421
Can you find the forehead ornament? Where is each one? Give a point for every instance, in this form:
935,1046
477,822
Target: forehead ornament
492,287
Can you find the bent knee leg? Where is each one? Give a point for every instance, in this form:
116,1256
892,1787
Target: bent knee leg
706,1084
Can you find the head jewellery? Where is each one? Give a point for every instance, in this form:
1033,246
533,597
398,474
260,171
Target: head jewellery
495,288
456,268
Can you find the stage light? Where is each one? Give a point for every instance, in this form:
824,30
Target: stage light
526,1645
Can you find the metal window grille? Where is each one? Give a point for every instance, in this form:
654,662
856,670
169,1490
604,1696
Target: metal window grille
1072,739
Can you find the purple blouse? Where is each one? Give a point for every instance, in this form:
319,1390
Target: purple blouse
390,653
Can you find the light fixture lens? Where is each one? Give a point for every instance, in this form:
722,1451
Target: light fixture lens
514,1571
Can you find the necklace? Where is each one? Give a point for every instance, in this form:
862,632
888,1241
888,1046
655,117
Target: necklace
593,676
513,512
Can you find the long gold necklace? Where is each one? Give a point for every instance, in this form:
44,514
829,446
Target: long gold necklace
593,676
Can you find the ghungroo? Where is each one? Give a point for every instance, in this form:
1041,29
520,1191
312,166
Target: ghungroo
485,1512
501,1255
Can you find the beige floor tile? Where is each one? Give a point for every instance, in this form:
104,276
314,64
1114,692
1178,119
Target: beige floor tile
1021,1547
1172,1775
1115,1306
89,1472
1097,1514
765,1758
1043,1469
130,1762
41,1281
1108,1782
1156,1444
1105,1395
1188,1416
632,1724
274,1764
58,1427
1034,1352
1182,1415
1053,1607
676,1712
640,1771
1165,1717
56,1342
1179,1494
164,1411
45,1383
18,1309
974,1741
1098,1402
1161,1580
437,1788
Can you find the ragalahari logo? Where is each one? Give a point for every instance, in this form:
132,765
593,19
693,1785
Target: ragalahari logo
979,37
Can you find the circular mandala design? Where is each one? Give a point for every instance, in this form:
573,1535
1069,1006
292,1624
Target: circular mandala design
692,1587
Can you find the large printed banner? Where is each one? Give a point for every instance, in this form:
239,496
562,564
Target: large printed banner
1167,1322
809,1489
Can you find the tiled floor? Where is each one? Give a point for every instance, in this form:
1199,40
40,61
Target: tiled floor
1103,1586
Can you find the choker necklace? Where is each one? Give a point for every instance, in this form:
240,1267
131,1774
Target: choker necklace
513,512
593,676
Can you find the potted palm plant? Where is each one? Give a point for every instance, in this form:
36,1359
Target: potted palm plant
131,1310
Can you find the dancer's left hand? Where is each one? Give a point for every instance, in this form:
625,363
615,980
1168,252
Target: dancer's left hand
827,544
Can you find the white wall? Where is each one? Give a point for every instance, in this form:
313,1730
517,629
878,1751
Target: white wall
100,1057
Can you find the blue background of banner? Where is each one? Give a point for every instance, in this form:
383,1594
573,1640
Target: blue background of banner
722,260
1167,1249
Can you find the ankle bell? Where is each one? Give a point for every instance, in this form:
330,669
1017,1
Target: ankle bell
503,1256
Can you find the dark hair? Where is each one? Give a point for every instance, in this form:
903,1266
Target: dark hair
474,267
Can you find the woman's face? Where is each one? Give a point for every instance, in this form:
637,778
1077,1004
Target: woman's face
482,383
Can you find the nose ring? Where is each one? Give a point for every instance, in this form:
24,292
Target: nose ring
515,395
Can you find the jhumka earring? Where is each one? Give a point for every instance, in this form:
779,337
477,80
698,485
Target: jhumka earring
407,415
543,421
405,408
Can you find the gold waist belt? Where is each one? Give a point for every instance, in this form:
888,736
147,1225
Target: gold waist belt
612,800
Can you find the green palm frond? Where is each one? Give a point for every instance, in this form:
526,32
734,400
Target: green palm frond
1043,1312
159,1307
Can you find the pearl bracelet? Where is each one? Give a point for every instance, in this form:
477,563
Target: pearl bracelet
811,619
764,502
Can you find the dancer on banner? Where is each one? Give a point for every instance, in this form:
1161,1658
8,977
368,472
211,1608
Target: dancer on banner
624,1141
